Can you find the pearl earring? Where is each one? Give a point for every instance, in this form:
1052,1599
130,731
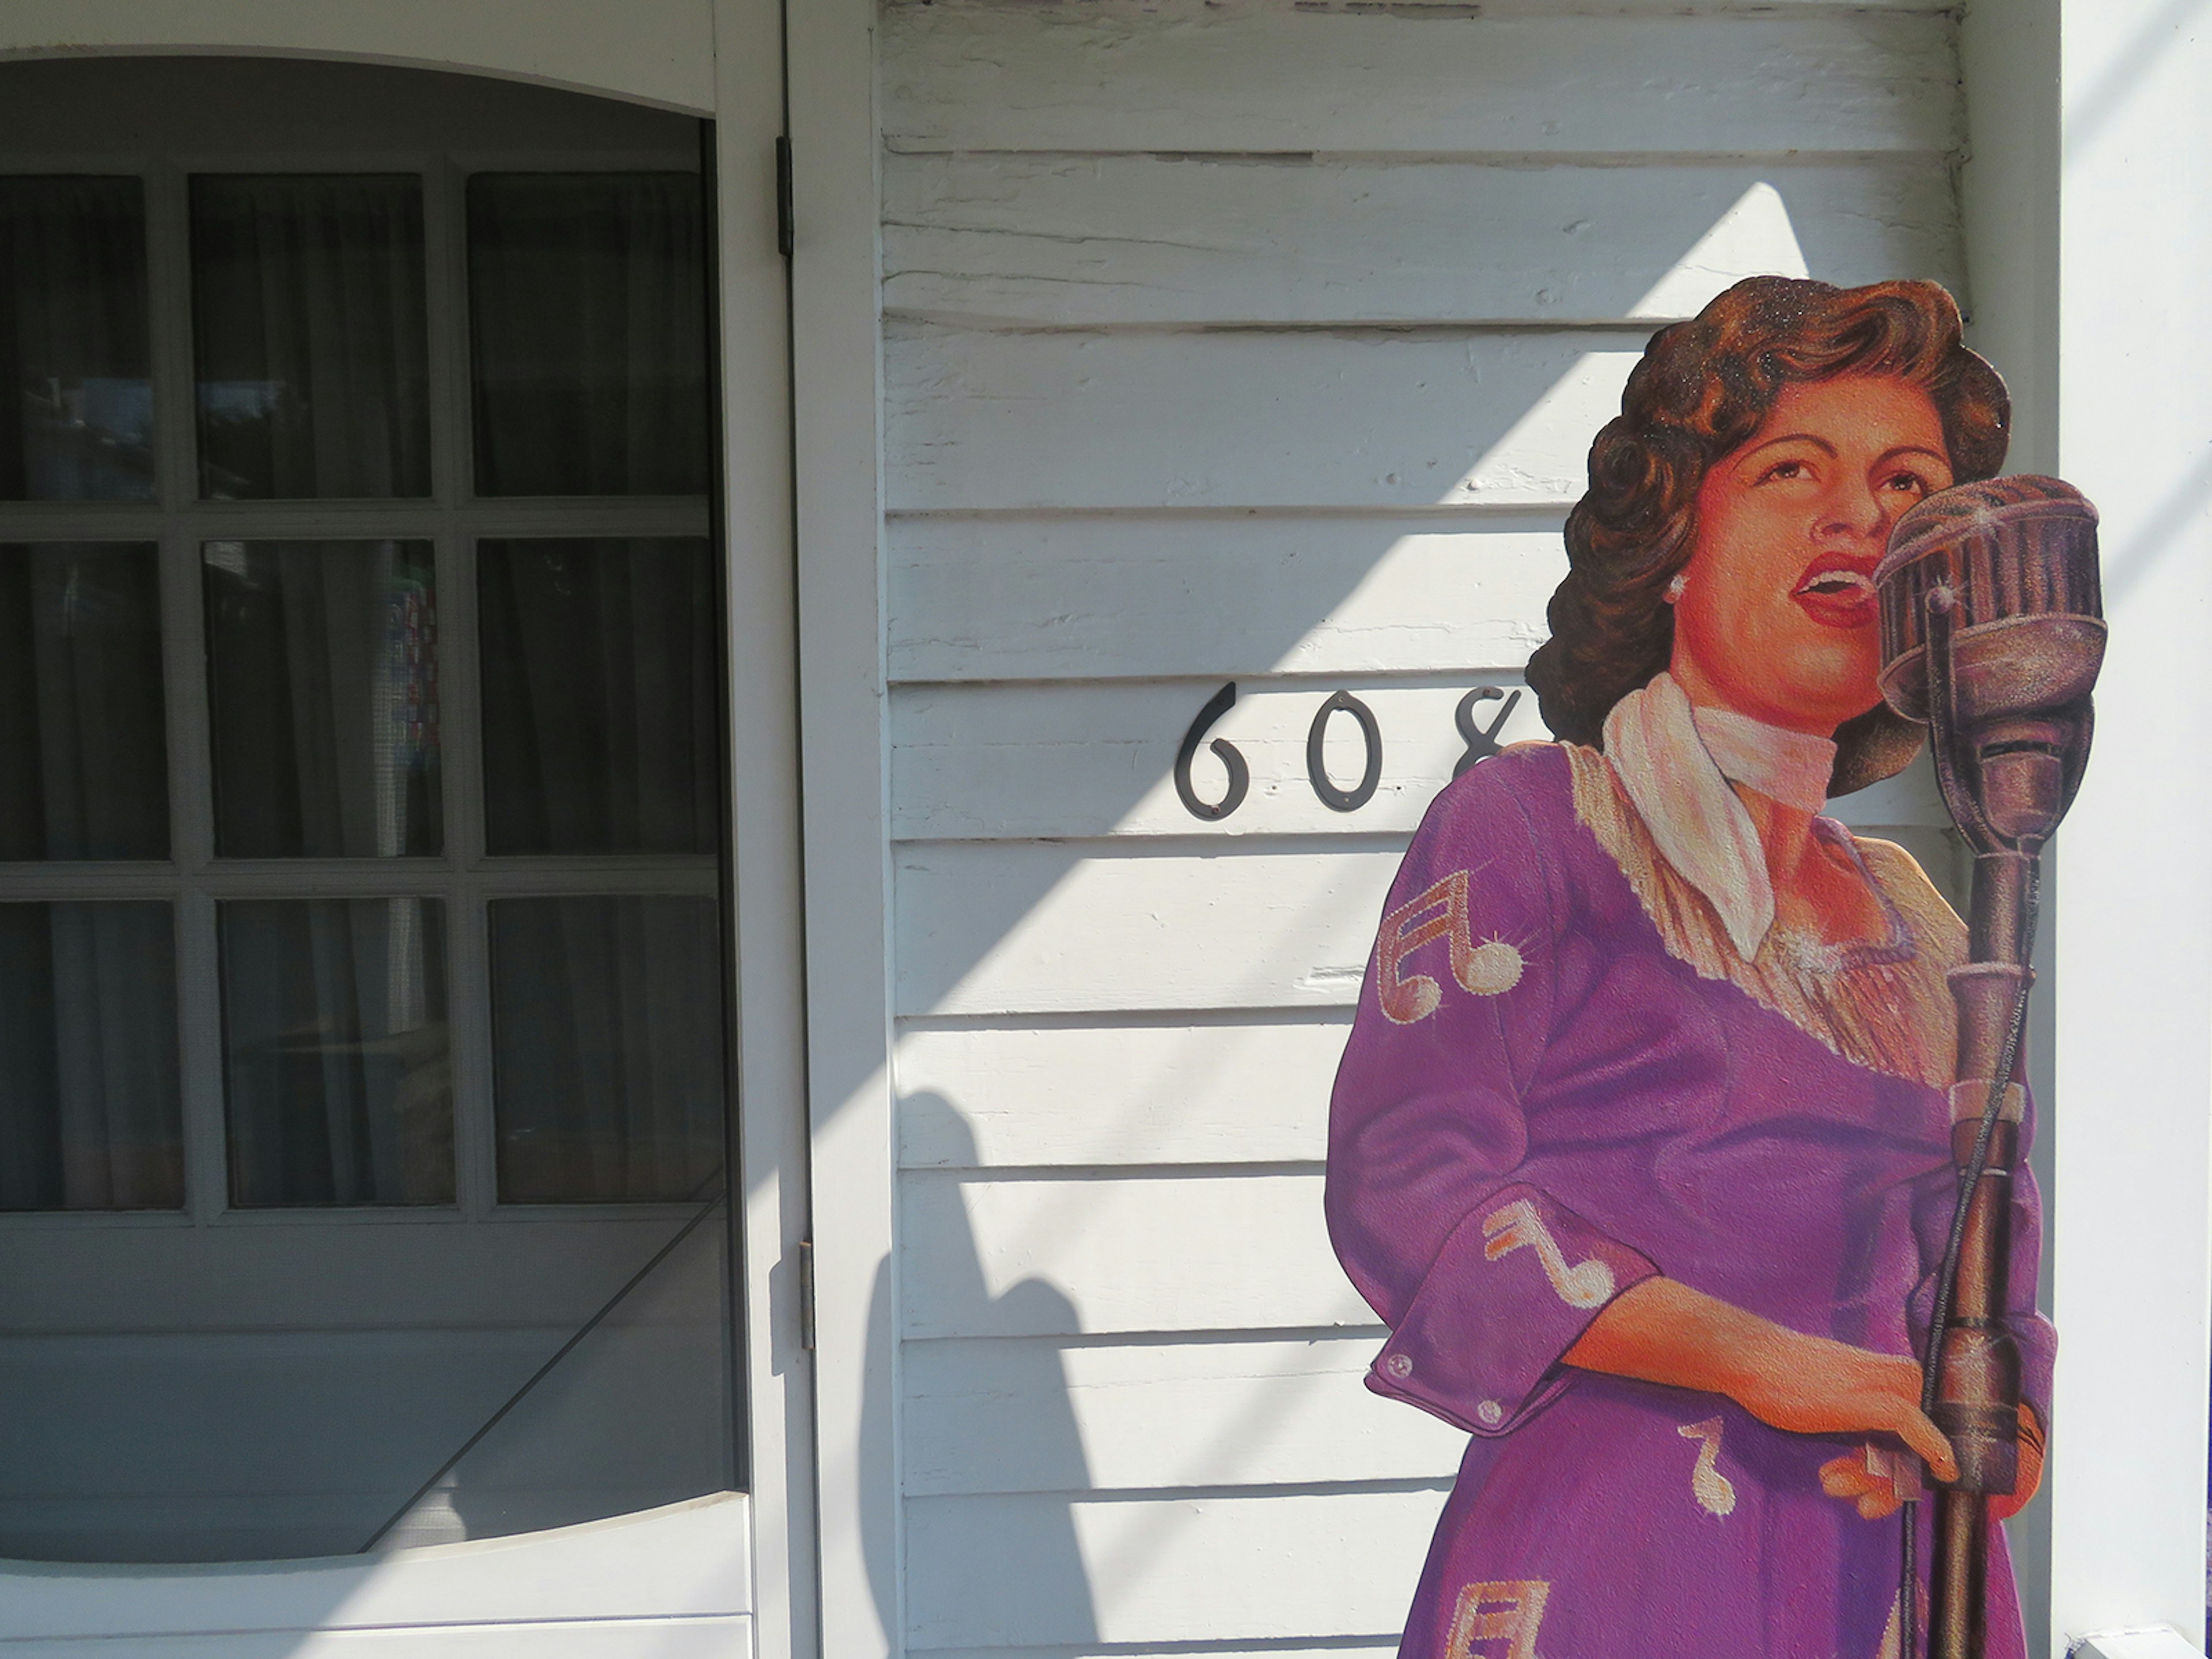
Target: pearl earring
1676,587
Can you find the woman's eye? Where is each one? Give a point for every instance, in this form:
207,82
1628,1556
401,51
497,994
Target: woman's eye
1782,471
1912,483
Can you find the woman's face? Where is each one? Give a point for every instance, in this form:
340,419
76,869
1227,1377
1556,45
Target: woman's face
1777,617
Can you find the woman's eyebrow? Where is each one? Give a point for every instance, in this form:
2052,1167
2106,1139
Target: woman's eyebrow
1914,449
1814,439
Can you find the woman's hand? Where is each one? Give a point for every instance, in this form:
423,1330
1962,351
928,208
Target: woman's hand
1875,1479
1662,1331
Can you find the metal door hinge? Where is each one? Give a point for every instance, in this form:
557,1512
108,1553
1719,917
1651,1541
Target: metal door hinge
806,1295
786,234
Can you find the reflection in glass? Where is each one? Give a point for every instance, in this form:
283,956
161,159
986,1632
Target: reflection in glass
84,761
587,312
335,1053
607,1047
322,690
79,424
637,1414
598,697
313,351
89,1104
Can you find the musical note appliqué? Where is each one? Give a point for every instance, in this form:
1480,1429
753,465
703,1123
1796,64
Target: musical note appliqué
1440,911
1504,1610
1581,1284
1715,1492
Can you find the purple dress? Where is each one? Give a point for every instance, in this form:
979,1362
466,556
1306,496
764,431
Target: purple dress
1548,1097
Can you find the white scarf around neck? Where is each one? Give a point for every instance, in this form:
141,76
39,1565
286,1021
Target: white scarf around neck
1676,761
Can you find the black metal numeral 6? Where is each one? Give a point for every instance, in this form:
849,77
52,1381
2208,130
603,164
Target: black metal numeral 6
1240,776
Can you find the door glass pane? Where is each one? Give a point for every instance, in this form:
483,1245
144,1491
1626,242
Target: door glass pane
588,314
599,664
73,340
323,697
607,1047
334,1055
84,758
89,1104
309,325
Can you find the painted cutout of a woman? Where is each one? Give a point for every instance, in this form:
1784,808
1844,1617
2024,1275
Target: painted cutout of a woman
1640,1142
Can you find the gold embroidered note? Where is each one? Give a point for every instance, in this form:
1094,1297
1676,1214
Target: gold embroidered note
1581,1284
1715,1492
1439,912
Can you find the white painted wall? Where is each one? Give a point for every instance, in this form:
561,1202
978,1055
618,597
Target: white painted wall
1260,342
2134,921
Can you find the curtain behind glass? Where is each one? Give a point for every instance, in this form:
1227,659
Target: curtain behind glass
84,761
599,675
311,336
588,314
79,422
323,686
607,1047
338,1084
90,1108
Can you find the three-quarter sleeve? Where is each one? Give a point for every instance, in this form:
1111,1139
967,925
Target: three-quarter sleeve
1484,1279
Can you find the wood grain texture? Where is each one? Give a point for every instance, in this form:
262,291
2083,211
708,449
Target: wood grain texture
1092,1252
1117,1094
1290,1566
1068,241
1050,597
1031,1414
1247,77
985,419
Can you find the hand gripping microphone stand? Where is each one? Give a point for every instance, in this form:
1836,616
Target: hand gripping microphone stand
1991,636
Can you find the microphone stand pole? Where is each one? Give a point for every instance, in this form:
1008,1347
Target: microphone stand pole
1973,1376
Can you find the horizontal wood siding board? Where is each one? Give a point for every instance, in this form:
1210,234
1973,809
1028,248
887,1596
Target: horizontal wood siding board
997,75
1065,761
1118,1095
730,1637
1138,596
1303,1565
1078,761
1033,1414
989,419
1017,928
1069,240
1119,1252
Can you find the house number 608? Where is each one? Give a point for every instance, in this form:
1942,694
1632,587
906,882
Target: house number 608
1481,743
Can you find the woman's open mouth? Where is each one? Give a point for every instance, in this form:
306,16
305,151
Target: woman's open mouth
1837,593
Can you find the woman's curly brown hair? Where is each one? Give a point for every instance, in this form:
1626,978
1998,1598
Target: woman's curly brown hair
1700,392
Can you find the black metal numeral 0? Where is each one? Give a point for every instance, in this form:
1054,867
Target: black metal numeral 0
1240,776
1336,799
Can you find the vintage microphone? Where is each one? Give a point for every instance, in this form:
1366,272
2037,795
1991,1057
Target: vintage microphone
1992,632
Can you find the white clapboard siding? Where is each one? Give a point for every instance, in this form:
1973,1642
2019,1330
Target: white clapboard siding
1070,761
1016,927
1061,240
1086,1254
1031,1414
987,419
1036,1569
1184,75
1117,1094
1138,595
